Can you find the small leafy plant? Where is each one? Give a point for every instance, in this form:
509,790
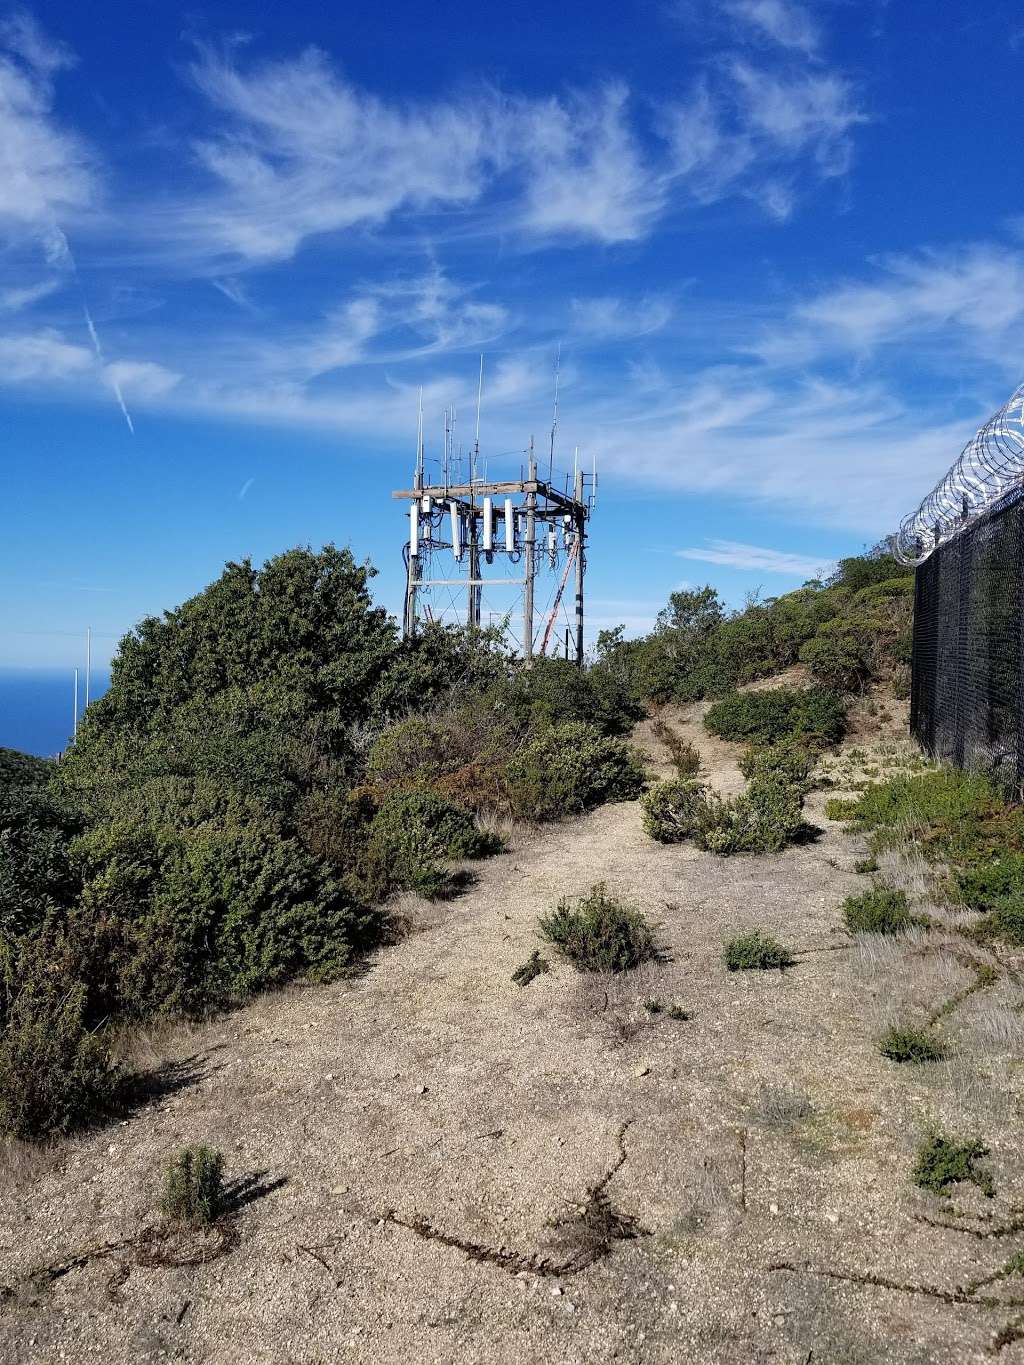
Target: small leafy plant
942,1161
194,1186
670,811
756,952
534,966
600,933
910,1043
676,1012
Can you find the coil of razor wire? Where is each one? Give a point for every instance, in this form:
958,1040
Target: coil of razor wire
990,466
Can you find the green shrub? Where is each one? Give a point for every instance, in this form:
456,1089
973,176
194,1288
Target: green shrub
669,811
1005,922
35,873
788,758
600,933
945,802
554,691
413,835
56,1075
943,1161
572,767
909,1043
180,922
865,865
764,819
879,911
992,884
839,659
193,1191
756,952
815,714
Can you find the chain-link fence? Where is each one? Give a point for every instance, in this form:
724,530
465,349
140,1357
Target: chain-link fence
966,700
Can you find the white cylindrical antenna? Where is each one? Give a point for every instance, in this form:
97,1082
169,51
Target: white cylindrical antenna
88,663
456,532
488,525
510,527
425,503
74,717
414,527
567,531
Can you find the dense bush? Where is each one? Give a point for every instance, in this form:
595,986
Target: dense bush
816,715
56,1074
572,767
879,911
553,691
852,629
789,758
411,838
600,933
764,819
193,1191
670,810
756,952
35,872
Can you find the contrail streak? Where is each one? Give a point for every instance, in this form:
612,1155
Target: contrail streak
59,249
99,356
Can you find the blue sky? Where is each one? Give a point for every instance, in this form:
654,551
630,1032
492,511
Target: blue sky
780,244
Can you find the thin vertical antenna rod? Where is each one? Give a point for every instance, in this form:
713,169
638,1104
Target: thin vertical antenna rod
88,663
74,720
554,419
479,399
580,517
529,565
418,481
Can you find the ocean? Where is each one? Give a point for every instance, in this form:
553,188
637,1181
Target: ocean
36,708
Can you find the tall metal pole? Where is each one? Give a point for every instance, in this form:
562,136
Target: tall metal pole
531,537
475,591
580,560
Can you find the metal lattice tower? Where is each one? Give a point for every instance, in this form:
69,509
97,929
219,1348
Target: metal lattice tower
482,549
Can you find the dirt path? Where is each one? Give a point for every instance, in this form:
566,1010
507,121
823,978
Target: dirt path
396,1122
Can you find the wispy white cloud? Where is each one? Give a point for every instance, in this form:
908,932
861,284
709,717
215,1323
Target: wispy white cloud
141,379
781,21
586,175
24,296
737,555
47,173
747,132
609,316
42,356
974,293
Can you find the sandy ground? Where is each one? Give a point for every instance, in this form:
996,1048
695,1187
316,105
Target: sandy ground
416,1146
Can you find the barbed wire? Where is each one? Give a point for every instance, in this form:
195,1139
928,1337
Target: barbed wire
990,466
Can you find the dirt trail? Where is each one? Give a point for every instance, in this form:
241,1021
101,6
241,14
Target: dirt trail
430,1107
